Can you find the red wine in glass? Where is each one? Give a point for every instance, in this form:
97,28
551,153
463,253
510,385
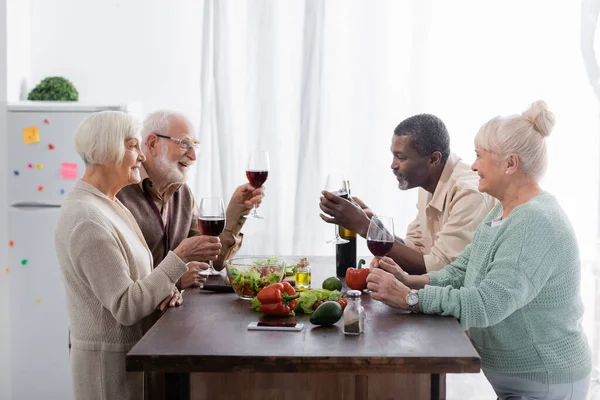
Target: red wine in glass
379,248
211,221
257,171
211,226
257,178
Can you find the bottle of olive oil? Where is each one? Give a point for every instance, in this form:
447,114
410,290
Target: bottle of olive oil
303,275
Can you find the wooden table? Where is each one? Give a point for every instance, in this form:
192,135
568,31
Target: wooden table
400,355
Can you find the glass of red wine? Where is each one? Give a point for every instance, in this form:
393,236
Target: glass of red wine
338,185
211,220
380,236
257,172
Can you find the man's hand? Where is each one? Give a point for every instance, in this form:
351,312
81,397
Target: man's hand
243,199
343,213
195,276
199,248
172,300
389,265
363,207
387,289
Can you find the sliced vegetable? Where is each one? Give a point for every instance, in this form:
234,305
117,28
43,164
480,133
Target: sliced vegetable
251,281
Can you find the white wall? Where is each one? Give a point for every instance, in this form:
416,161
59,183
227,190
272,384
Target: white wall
4,278
18,48
14,74
116,51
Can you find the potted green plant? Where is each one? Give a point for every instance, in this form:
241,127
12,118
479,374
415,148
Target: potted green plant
54,88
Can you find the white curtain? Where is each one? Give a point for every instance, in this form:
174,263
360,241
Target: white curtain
321,85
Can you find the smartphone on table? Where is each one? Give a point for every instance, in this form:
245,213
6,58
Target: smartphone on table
275,326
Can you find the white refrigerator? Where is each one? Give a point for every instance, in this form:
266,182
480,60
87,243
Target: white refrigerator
43,167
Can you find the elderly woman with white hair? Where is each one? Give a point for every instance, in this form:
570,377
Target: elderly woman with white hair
515,288
111,288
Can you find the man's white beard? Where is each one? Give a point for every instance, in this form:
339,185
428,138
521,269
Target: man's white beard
170,170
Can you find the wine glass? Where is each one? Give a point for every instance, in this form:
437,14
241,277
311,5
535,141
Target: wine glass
338,185
257,172
380,236
211,220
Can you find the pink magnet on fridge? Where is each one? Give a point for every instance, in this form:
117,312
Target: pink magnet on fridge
29,165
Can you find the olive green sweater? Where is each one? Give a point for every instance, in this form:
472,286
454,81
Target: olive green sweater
516,289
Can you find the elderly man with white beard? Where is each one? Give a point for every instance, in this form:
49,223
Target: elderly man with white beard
164,206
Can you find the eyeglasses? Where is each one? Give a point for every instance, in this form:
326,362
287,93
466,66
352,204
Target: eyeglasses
184,144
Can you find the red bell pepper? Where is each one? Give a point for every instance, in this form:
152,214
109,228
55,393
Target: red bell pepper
278,299
356,278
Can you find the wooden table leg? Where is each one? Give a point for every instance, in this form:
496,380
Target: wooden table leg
438,386
177,386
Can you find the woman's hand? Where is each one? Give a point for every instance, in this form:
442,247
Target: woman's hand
389,265
195,276
172,300
199,248
387,289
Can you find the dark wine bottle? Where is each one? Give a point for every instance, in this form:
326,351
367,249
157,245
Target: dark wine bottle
345,254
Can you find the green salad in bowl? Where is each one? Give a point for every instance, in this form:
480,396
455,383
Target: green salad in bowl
248,275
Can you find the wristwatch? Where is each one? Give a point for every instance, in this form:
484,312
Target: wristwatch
412,299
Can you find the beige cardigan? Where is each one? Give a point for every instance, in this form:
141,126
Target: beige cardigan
111,291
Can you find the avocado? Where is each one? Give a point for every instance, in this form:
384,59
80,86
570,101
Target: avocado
327,314
332,283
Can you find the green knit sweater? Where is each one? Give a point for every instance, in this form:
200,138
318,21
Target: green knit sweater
516,289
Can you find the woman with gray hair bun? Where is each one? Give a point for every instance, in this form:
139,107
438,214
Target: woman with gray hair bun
110,286
515,288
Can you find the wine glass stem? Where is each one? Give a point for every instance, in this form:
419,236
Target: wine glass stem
337,234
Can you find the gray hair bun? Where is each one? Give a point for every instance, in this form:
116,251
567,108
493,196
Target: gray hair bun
540,117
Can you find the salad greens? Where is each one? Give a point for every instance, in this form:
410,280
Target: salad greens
310,297
290,270
262,273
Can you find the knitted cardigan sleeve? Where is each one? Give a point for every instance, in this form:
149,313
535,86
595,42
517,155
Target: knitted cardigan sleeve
521,266
452,274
